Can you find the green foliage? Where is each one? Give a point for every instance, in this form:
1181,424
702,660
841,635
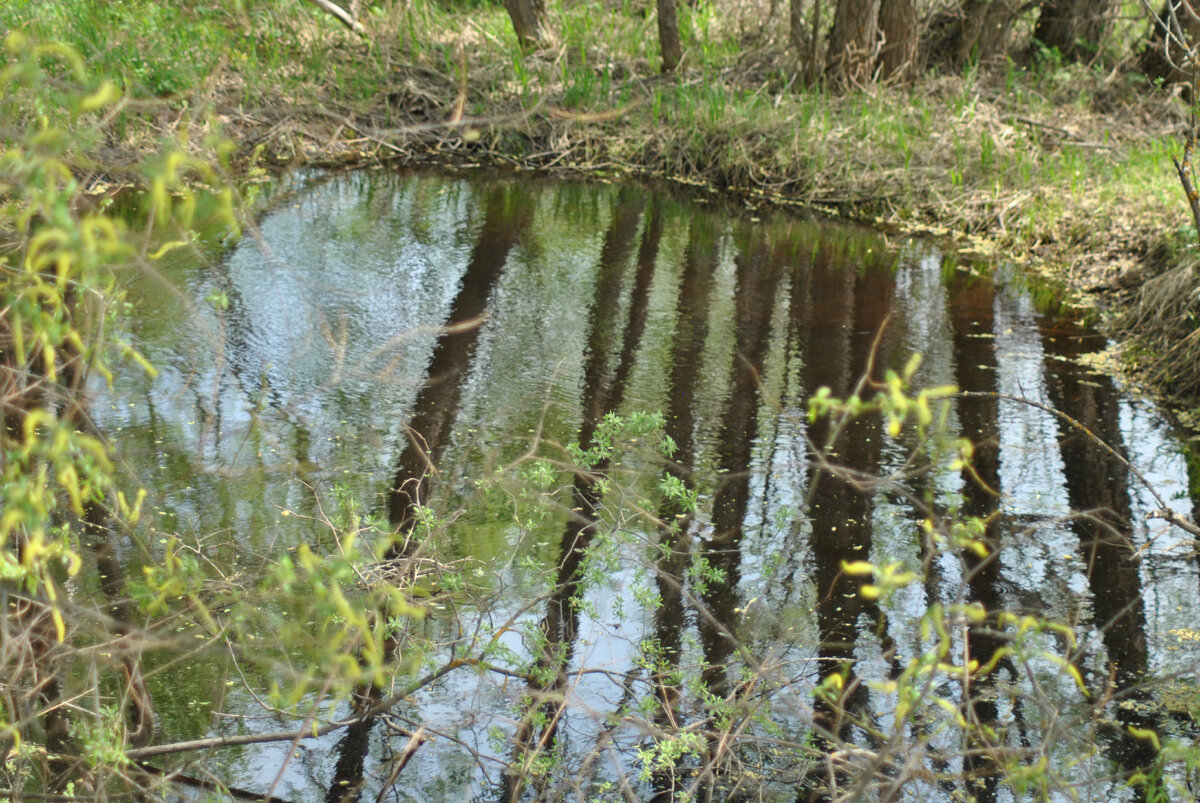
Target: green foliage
669,753
62,322
157,49
56,291
103,738
614,428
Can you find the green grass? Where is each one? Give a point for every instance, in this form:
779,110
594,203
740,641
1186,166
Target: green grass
153,49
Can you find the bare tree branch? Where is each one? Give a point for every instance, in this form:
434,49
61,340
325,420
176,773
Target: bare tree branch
1184,169
347,20
297,735
1164,512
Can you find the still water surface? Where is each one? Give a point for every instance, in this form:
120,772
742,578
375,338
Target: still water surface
324,360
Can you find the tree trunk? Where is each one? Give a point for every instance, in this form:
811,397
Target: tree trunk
898,22
978,31
796,31
668,35
529,22
814,44
852,42
1075,27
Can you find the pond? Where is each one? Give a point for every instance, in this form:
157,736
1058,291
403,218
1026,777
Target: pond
772,605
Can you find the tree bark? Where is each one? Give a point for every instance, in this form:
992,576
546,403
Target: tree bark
852,42
1075,27
529,21
898,22
977,31
814,44
796,31
668,35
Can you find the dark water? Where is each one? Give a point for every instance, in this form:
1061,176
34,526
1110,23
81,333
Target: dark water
323,365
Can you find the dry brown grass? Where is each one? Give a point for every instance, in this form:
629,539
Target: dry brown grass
1164,323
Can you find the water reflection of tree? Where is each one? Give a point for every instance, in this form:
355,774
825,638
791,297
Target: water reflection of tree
1098,491
691,332
507,216
759,267
604,388
971,299
854,305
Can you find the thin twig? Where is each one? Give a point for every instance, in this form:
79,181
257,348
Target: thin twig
1164,511
295,735
400,762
